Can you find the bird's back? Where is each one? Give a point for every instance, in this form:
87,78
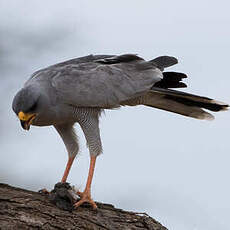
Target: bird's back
100,80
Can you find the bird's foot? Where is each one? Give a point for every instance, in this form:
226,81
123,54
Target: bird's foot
85,198
44,191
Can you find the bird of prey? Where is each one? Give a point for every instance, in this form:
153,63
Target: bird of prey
78,90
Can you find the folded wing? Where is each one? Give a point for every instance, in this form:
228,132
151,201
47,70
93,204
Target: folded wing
105,82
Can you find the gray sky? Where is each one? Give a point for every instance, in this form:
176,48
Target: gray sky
172,167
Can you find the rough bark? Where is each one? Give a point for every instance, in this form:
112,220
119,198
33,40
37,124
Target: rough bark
22,209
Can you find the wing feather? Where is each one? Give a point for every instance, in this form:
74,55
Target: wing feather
94,84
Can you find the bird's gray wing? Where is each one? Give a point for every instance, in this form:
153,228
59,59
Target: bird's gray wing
105,82
50,70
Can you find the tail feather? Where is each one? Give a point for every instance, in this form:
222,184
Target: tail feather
179,102
171,80
164,62
191,99
161,97
160,102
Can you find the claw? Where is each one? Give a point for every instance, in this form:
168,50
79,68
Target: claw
44,191
85,198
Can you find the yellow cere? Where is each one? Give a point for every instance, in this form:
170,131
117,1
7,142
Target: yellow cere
24,116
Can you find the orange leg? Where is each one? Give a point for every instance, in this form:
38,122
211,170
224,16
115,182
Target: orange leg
67,169
86,195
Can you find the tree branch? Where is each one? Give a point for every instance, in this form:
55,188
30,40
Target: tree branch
23,209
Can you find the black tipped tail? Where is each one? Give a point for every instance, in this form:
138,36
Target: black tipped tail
184,103
192,100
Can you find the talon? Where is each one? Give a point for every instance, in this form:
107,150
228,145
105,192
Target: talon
85,198
44,191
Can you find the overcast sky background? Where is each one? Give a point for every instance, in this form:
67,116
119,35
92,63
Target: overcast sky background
174,168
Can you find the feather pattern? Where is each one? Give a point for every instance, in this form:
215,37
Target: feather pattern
93,83
110,81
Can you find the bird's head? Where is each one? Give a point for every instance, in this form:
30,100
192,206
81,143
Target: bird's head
26,105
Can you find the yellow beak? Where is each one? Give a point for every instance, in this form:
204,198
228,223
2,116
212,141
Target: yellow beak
26,119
